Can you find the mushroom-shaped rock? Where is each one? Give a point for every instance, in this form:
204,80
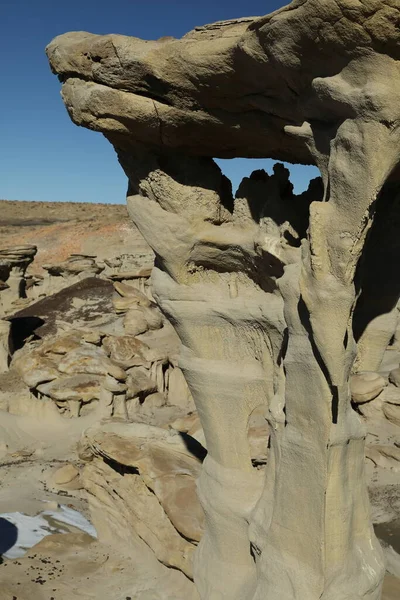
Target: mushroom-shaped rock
75,265
74,390
83,387
19,257
34,368
264,320
365,386
13,264
91,360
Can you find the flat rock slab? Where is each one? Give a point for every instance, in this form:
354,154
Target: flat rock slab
40,318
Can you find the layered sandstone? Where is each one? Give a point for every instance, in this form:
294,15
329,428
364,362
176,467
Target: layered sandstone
272,296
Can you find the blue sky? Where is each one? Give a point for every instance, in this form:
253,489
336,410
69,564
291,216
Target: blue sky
43,156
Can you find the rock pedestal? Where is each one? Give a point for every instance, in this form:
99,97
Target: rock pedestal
271,294
13,264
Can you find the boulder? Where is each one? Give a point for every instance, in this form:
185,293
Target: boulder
65,474
75,265
140,383
153,486
178,391
392,394
92,360
394,377
81,387
387,457
128,351
34,368
392,413
365,386
135,322
67,478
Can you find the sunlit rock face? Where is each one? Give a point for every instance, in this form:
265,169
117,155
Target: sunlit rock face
272,295
13,264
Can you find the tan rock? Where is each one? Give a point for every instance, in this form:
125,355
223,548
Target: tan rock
113,385
178,391
132,295
392,394
92,337
128,351
62,344
387,457
5,328
178,496
153,401
65,474
187,423
135,322
394,377
82,387
258,439
140,383
392,413
158,497
90,360
34,368
271,293
365,386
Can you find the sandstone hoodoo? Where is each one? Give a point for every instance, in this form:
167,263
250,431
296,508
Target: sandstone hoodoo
13,265
284,305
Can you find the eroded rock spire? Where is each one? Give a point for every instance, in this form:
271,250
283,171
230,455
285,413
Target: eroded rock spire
268,292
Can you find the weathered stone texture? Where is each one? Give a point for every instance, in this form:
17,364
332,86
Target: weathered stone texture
272,295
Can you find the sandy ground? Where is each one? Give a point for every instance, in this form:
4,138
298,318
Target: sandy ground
59,229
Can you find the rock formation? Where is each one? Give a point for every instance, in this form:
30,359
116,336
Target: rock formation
72,349
72,270
273,296
13,264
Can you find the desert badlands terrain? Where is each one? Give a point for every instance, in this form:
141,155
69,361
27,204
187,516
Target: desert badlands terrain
100,441
200,391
